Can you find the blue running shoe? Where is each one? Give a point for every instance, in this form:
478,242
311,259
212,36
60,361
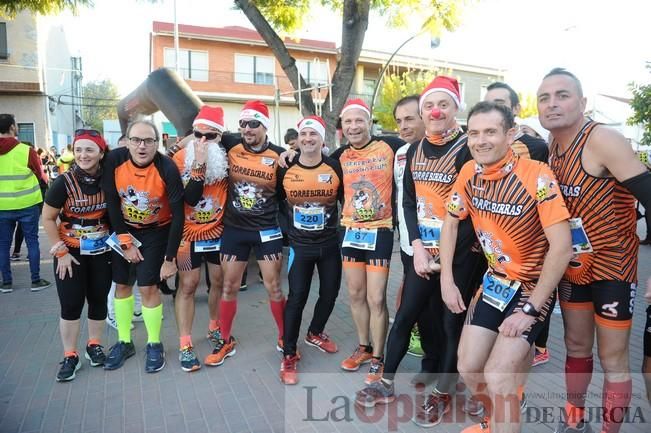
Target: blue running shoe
119,353
154,358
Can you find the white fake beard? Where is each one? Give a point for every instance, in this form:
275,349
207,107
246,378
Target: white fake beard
216,162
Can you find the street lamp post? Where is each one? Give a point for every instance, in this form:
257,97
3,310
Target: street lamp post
433,44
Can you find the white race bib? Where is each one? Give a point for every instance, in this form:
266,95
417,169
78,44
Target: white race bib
207,246
309,218
498,292
92,244
361,239
430,231
580,241
270,234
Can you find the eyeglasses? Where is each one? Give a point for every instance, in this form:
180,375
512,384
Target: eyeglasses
250,123
91,132
209,135
137,140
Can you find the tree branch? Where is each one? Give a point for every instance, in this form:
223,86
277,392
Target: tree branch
277,45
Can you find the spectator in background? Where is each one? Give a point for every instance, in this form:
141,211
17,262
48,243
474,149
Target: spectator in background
291,138
66,159
19,201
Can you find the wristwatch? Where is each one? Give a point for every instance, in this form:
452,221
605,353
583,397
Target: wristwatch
125,246
530,310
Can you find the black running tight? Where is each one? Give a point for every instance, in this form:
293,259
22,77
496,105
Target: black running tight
90,281
301,263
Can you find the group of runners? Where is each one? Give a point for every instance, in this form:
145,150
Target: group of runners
492,222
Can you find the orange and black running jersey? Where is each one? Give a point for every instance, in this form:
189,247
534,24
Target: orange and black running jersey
312,194
509,214
369,189
528,147
252,179
204,204
83,208
144,197
607,211
430,172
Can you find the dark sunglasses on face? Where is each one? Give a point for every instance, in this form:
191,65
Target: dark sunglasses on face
209,135
90,132
250,123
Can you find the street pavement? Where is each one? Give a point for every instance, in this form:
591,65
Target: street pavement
244,394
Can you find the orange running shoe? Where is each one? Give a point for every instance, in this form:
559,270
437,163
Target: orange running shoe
221,351
322,342
375,372
540,357
280,347
482,427
360,356
288,370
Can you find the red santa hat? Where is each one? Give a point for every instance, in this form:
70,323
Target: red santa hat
443,84
314,122
210,116
356,103
256,110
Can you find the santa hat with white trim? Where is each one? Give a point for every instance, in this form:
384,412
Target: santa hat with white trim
314,122
356,103
443,84
210,116
256,110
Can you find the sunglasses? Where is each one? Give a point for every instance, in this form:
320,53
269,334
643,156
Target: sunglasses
250,123
209,135
91,132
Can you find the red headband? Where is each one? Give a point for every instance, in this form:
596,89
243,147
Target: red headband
98,140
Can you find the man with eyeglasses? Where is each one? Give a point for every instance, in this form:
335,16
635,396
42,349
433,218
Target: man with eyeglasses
144,194
204,170
250,222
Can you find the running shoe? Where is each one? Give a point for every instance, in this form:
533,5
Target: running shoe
473,406
482,427
95,354
114,324
280,347
39,285
646,241
214,336
540,357
322,342
415,348
119,353
15,257
582,427
432,411
154,357
69,367
221,351
137,317
360,356
376,393
189,360
375,371
288,370
6,288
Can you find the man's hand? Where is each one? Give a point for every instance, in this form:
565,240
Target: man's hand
200,151
168,269
286,157
452,296
516,324
133,254
421,261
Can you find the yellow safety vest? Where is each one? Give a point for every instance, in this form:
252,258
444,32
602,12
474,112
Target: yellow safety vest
19,188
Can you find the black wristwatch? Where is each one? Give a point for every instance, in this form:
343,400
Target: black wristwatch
125,246
530,310
169,259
